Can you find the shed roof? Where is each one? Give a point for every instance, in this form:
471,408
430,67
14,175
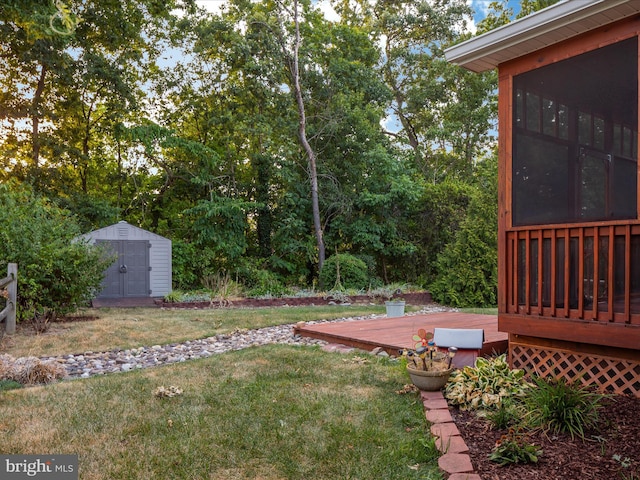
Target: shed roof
99,233
551,25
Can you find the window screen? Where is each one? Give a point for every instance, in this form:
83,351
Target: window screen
575,138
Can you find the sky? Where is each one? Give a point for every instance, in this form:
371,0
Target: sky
479,6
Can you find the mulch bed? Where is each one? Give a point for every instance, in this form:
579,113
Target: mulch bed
611,452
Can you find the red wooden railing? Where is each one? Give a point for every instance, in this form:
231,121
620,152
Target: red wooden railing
575,271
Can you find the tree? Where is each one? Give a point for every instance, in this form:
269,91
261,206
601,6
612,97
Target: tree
294,67
467,269
64,95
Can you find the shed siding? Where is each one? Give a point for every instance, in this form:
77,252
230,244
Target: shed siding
160,262
160,276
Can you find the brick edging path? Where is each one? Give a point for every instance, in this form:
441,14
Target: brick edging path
455,460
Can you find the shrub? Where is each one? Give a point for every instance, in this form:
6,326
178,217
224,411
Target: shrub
507,414
259,281
513,447
562,407
174,296
184,265
467,269
9,385
57,272
352,272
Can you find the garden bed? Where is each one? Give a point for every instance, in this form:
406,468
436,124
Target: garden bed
418,298
611,452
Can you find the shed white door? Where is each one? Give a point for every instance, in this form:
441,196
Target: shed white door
128,276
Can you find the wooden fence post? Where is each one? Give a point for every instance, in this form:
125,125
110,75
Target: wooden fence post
12,289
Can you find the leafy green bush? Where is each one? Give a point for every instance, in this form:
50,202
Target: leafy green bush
508,414
259,281
353,272
184,265
562,407
174,296
57,272
467,269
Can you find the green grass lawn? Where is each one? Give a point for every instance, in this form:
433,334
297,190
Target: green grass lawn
122,328
275,412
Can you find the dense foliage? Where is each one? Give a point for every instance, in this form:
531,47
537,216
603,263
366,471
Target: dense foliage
258,136
467,268
56,270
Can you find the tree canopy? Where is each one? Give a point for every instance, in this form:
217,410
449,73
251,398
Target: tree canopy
257,137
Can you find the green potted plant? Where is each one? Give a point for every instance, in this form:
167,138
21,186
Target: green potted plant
428,368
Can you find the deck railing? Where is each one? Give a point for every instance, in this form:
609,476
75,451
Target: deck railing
579,272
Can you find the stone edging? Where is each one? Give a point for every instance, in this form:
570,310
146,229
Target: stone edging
455,460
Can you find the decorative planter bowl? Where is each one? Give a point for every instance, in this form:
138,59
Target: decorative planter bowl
395,308
429,380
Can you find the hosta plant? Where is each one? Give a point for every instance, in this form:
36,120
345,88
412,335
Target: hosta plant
486,385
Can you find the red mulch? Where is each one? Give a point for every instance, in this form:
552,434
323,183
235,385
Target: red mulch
612,452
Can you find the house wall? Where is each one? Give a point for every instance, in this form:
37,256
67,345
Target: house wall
603,348
160,276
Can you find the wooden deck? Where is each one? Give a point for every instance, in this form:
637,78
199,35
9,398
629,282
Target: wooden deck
393,334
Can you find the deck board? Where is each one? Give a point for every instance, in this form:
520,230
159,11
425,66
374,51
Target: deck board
396,333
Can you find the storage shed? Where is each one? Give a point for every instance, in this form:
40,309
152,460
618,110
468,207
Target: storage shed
143,265
568,204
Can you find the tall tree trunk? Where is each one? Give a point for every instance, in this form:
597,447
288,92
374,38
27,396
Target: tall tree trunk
302,133
399,98
84,161
35,120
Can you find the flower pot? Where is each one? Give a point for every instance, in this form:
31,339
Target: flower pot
395,308
431,380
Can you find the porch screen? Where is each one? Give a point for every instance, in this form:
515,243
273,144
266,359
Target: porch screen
575,138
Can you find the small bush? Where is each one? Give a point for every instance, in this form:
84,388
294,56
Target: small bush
174,296
513,447
222,287
258,280
562,407
344,271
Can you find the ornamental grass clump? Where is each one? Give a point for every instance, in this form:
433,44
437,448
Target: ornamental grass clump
559,406
486,385
30,370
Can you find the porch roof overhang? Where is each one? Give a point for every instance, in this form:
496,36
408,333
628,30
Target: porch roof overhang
551,25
